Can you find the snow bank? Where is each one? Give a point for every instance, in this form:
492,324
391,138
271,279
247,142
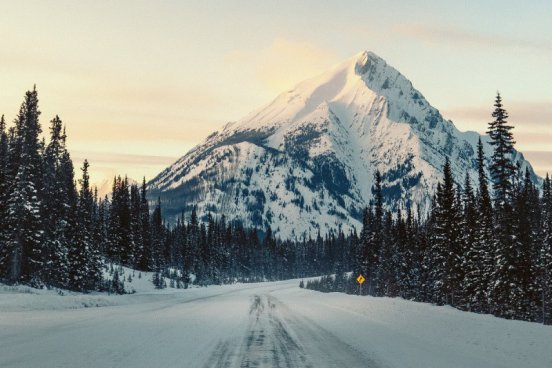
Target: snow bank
401,333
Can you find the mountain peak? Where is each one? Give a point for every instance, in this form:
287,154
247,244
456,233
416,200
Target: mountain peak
306,161
364,75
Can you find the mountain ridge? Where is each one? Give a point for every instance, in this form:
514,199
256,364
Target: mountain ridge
305,162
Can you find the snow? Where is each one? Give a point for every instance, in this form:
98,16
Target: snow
24,298
363,114
265,324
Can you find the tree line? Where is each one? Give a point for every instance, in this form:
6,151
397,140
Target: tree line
57,232
484,247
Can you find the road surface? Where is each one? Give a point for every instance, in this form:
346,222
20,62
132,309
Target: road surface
263,325
244,327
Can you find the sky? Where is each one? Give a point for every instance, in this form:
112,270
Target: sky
139,83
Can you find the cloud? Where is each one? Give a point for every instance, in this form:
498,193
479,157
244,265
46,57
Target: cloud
284,63
108,157
532,128
525,116
459,37
105,165
540,160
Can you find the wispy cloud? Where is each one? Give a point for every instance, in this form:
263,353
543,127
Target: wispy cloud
540,160
526,116
532,123
105,165
459,37
283,63
108,157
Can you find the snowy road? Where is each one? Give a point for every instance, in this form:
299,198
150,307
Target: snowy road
275,337
266,325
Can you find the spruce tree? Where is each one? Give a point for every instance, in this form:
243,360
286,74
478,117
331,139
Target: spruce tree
55,206
544,263
473,294
528,236
25,231
84,257
485,237
121,242
190,257
4,185
157,238
446,270
502,167
505,289
384,279
366,246
136,247
145,258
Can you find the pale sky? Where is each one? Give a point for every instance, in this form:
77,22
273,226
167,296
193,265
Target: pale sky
139,83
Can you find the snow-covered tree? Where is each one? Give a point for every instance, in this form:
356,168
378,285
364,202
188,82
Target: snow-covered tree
84,257
25,233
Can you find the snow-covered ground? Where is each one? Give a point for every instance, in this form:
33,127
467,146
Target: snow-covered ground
273,324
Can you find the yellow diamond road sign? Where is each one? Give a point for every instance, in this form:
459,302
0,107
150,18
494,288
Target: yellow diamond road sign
360,279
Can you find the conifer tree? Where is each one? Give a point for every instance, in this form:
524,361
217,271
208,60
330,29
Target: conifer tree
527,236
190,257
446,248
25,232
4,185
473,294
485,237
544,263
506,287
502,168
145,260
55,206
366,247
157,237
84,258
136,247
384,278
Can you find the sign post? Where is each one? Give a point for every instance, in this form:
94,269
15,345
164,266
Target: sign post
360,279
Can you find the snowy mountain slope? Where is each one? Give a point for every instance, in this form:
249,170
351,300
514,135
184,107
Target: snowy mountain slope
306,161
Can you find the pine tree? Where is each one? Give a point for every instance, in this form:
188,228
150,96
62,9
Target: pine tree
190,257
84,257
505,288
145,259
366,246
400,257
121,247
55,206
446,270
502,168
473,296
157,238
136,247
25,226
384,279
544,263
4,186
526,228
377,226
485,238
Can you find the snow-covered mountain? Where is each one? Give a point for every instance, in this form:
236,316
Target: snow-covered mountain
306,161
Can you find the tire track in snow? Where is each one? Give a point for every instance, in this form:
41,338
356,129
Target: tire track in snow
276,338
268,342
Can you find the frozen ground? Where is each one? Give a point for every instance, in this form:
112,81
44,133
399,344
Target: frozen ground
255,325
